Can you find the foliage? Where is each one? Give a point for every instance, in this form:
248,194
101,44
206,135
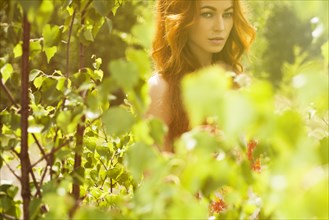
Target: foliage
284,33
253,153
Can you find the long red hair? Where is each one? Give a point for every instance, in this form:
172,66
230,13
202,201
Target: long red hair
173,59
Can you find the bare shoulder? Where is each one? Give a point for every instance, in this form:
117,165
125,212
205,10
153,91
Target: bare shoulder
158,91
157,84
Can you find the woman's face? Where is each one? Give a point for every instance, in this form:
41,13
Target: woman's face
211,29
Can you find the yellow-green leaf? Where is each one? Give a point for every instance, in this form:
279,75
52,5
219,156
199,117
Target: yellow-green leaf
6,72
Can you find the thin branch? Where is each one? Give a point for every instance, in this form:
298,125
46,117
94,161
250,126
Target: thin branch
31,172
39,145
50,160
68,48
4,87
43,175
104,165
9,217
11,170
35,181
52,152
324,120
42,178
85,9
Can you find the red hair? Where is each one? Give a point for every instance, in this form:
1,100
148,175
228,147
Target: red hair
173,59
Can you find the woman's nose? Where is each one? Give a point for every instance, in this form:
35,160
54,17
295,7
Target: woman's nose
219,24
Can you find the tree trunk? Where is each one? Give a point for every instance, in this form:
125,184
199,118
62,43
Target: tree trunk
24,154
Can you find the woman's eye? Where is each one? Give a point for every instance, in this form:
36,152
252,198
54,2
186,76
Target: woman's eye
207,14
228,15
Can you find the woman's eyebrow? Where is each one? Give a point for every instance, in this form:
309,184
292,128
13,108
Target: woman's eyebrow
214,9
209,7
229,8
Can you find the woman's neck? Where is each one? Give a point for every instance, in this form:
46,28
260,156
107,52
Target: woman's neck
205,60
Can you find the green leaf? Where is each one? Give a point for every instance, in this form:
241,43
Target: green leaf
50,52
87,34
18,51
141,59
97,63
89,163
5,203
96,74
324,150
143,31
58,205
203,94
124,73
66,121
236,121
38,81
6,72
91,213
44,13
60,83
325,53
115,172
104,151
78,175
117,121
109,25
140,152
311,85
157,130
51,36
35,48
289,127
33,74
117,4
10,190
34,208
103,7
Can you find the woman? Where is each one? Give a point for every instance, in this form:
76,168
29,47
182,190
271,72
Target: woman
192,34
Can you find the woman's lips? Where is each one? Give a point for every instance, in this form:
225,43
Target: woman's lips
217,40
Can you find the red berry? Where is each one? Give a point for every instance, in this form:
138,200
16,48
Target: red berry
250,148
217,206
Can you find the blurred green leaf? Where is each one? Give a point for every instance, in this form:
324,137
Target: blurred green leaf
78,175
103,7
124,73
91,213
87,34
44,13
58,205
157,130
325,53
117,121
34,208
211,83
324,150
141,158
109,25
141,59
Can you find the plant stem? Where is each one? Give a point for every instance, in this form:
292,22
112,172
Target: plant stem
68,48
24,155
